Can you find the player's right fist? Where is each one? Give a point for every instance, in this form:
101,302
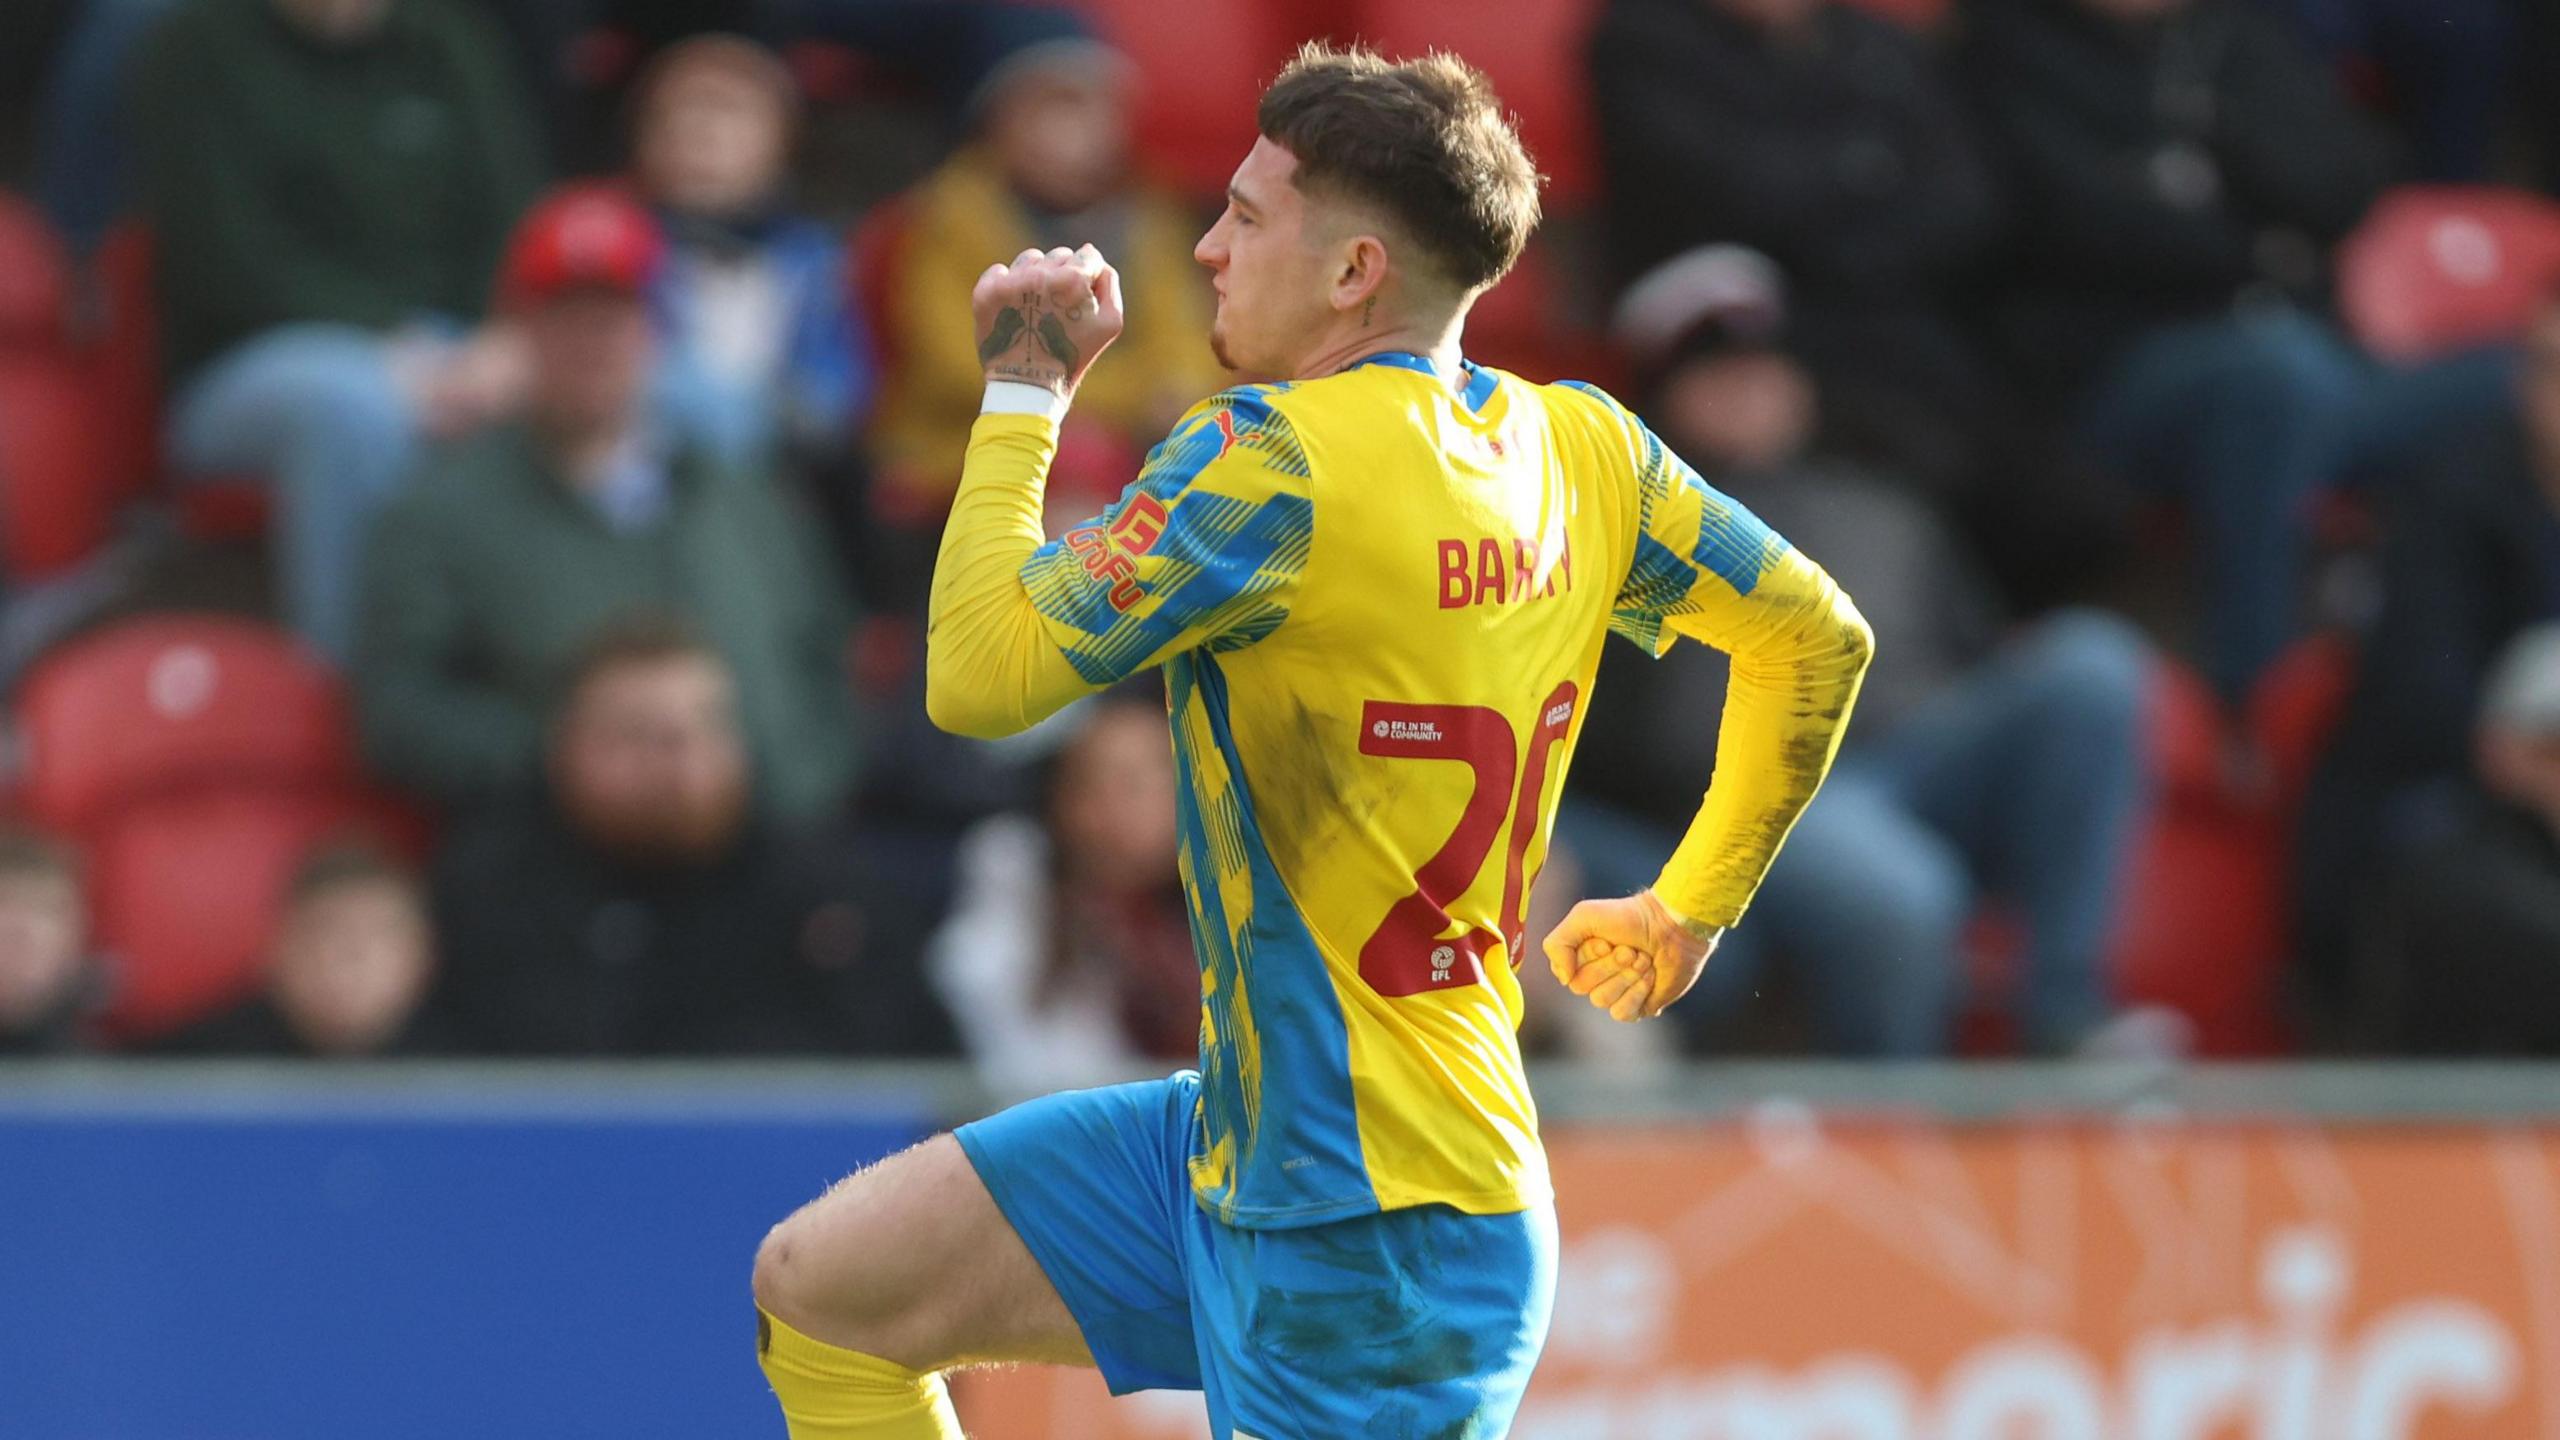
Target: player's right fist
1629,956
1043,318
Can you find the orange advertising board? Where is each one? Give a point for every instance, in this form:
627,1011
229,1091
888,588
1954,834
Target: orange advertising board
1799,1278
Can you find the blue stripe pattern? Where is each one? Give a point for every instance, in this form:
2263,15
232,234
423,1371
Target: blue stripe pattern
1275,1052
1214,575
1730,543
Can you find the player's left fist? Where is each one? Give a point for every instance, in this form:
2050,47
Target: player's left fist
1042,319
1627,956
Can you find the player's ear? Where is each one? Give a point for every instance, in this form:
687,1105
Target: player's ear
1360,272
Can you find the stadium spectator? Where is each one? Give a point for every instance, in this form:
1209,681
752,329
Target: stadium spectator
2180,170
1047,165
348,974
1067,958
762,355
2471,559
1824,137
2440,67
487,579
1982,766
48,980
2469,958
82,174
328,184
644,904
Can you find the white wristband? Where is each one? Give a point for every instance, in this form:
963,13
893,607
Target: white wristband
1685,922
1013,397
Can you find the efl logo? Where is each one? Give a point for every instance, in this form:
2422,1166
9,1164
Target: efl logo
1417,732
1110,554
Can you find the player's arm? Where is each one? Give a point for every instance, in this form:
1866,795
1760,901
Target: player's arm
1203,549
1708,570
1799,649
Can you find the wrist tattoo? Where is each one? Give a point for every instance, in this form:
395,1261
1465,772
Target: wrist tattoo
1028,342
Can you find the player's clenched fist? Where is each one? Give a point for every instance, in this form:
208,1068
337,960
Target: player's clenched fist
1629,956
1043,318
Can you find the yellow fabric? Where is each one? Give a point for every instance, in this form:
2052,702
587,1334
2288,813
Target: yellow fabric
829,1393
965,219
990,670
1379,608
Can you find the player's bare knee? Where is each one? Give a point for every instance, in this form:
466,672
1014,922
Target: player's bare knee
814,1275
778,1279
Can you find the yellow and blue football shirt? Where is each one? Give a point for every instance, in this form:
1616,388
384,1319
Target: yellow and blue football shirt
1379,603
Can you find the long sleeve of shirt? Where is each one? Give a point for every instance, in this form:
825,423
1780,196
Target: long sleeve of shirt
1708,569
1800,650
990,667
1019,628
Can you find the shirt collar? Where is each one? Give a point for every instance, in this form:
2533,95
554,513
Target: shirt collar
1480,381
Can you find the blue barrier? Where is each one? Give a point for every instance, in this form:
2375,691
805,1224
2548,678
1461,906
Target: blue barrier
345,1265
332,1252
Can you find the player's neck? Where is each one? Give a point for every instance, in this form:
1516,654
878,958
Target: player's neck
1437,343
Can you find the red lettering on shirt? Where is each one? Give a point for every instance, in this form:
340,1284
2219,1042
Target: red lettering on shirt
1474,574
1139,525
1109,554
1456,586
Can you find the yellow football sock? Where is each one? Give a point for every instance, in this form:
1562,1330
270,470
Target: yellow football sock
829,1393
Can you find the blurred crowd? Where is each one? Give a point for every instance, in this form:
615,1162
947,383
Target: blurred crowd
470,473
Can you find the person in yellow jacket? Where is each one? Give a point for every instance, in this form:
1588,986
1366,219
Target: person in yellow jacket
1049,160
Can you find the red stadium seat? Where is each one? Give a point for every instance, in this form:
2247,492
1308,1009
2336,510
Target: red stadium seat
2205,929
125,359
2296,707
58,495
224,509
34,278
185,891
2436,268
125,370
1532,50
165,705
1200,65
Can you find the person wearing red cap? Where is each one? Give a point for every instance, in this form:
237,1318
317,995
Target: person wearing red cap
484,581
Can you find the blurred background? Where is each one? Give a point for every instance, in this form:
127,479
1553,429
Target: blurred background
472,853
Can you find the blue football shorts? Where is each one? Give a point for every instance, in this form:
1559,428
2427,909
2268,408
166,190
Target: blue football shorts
1415,1324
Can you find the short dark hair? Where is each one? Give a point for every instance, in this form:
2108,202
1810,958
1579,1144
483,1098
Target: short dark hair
733,55
1424,141
33,853
639,637
352,858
